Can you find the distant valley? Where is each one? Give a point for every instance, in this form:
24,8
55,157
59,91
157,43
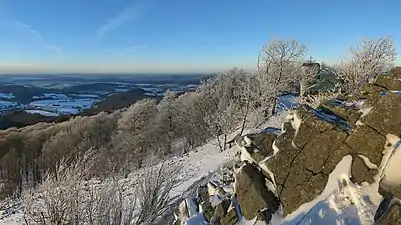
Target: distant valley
28,99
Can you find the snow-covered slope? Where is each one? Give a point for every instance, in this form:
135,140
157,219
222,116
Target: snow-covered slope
342,201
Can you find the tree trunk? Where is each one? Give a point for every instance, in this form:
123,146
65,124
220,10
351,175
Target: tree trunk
274,104
225,142
244,119
219,142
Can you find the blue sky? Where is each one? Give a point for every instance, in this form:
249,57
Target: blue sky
179,35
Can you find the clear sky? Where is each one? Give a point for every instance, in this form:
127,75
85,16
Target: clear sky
179,35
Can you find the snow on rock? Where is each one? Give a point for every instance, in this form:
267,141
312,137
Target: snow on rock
341,202
192,207
201,163
286,102
391,169
340,173
198,219
365,111
368,163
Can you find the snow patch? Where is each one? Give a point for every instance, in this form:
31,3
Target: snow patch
7,95
391,166
365,111
368,163
41,112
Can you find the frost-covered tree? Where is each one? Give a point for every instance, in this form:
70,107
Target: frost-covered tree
222,103
72,199
192,129
167,118
278,71
138,134
370,58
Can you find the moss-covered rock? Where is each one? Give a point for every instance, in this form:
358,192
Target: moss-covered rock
349,113
261,145
336,156
360,172
371,93
385,117
391,81
224,215
204,202
316,152
281,162
311,125
252,193
231,218
366,141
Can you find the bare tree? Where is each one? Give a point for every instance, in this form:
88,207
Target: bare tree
278,70
369,59
58,199
167,116
192,129
137,134
153,190
71,199
222,102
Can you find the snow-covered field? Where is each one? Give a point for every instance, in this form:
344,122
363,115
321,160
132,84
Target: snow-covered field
7,104
63,106
7,95
41,112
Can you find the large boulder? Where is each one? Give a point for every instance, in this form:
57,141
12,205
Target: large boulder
261,145
391,81
252,193
371,93
349,113
224,215
281,162
257,146
385,117
360,172
204,202
303,163
310,126
368,142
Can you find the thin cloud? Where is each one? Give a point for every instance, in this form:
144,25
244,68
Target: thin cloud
121,18
30,29
38,36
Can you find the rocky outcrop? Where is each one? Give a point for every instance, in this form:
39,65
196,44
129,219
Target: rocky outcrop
315,141
280,172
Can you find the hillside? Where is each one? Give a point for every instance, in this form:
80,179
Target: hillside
325,166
